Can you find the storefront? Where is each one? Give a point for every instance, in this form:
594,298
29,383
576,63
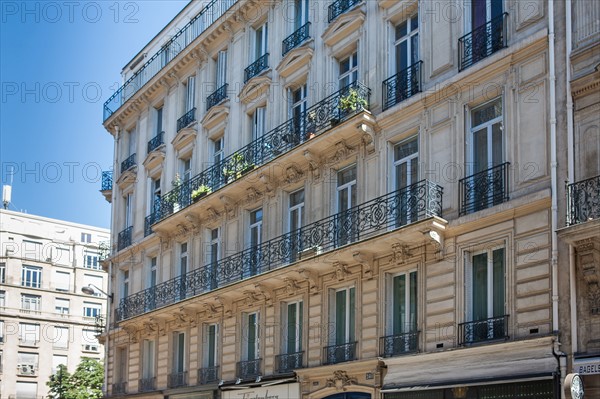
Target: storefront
588,369
279,391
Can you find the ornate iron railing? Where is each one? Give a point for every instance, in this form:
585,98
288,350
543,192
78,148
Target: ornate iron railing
295,39
315,120
206,375
339,7
391,211
483,330
583,201
484,189
197,25
482,42
402,85
248,368
156,142
149,221
147,384
339,353
399,344
128,163
215,98
256,67
176,380
186,119
119,388
288,362
124,238
107,180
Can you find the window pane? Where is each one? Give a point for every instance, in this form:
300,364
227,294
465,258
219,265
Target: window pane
480,287
498,258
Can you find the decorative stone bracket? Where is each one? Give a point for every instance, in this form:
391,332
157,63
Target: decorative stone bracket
588,262
341,380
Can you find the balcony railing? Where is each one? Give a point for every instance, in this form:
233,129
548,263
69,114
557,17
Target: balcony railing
119,388
215,98
391,211
484,189
403,85
176,380
288,362
186,119
256,67
148,384
128,163
206,375
295,39
399,344
339,7
315,120
339,353
583,201
491,329
482,42
107,180
197,25
124,239
156,142
149,221
248,368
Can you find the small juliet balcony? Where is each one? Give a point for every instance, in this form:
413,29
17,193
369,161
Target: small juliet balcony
128,163
334,354
288,362
156,142
402,85
207,375
482,42
294,40
583,201
147,384
187,119
124,238
248,369
217,97
255,69
399,344
484,189
177,380
339,7
107,184
119,388
492,329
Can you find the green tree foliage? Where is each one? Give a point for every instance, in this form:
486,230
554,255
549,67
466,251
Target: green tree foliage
84,383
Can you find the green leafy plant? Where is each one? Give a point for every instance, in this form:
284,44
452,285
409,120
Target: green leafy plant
201,191
236,166
352,101
84,383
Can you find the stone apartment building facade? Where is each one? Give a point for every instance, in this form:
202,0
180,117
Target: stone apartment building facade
346,199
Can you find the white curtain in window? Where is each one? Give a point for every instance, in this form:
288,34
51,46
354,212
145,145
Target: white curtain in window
62,281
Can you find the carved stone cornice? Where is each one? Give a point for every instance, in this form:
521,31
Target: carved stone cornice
341,380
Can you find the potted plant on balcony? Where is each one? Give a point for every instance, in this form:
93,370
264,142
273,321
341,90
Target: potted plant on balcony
200,192
353,101
236,167
311,126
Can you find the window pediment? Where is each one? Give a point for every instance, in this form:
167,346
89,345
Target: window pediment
296,62
127,178
345,27
185,138
256,89
216,116
154,158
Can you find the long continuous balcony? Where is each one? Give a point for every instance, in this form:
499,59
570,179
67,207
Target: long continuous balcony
482,42
128,163
156,142
392,211
215,98
314,121
288,362
339,353
583,201
339,7
295,39
107,180
197,25
186,119
256,67
124,238
484,189
403,85
491,329
398,344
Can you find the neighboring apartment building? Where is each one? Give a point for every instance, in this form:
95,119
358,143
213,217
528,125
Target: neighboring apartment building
337,199
45,319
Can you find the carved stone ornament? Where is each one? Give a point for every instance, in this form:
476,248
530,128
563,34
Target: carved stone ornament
252,195
291,286
269,183
368,137
229,205
400,254
133,333
213,215
342,151
311,278
341,380
366,261
266,292
225,304
588,262
340,270
293,174
314,164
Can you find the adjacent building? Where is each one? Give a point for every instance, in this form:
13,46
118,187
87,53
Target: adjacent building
45,318
345,200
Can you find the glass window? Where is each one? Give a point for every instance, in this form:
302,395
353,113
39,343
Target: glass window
221,69
487,142
124,283
90,341
90,260
218,150
210,345
258,123
2,299
250,344
86,237
148,359
260,41
26,390
29,334
61,306
62,281
92,309
348,70
190,93
159,120
179,352
31,276
2,273
406,43
342,315
292,318
98,281
406,162
57,360
61,338
31,303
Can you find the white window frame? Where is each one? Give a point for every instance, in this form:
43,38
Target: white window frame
408,38
488,125
218,152
392,306
259,118
148,358
350,329
221,69
353,62
261,37
206,360
31,303
298,327
246,336
31,276
349,188
179,357
468,260
59,306
296,211
92,310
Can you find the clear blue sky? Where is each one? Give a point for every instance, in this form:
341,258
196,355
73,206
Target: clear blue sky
59,62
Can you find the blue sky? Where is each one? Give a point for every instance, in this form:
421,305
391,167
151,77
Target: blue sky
59,62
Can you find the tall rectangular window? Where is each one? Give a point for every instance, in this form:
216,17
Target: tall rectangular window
155,193
348,70
148,359
61,306
343,315
61,338
402,310
1,331
292,317
31,276
250,343
260,41
58,360
2,273
91,260
210,345
29,334
124,283
2,298
486,137
406,43
31,303
256,221
128,210
62,281
159,120
182,268
179,352
152,276
218,153
121,365
346,199
185,168
295,222
258,123
221,70
301,10
214,254
190,93
298,104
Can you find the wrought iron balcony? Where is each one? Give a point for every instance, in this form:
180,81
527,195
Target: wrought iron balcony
177,380
314,121
206,375
484,189
120,388
107,180
156,142
197,25
388,212
215,98
482,42
149,221
147,384
248,369
339,7
339,353
186,119
124,238
256,67
288,362
491,329
583,201
402,85
399,344
128,163
295,39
